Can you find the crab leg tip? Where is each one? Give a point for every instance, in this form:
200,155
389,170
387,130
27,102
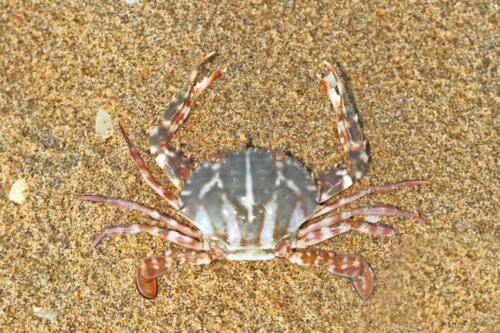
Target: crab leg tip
208,56
84,197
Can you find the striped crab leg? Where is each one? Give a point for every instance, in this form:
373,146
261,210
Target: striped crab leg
176,166
363,211
325,233
150,269
146,174
169,235
153,213
351,138
328,207
358,271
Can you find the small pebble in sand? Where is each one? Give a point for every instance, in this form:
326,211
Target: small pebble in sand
131,2
103,124
38,312
18,191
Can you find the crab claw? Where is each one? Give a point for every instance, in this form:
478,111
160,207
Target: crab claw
147,288
364,282
148,272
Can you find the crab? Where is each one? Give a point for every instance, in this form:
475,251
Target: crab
254,204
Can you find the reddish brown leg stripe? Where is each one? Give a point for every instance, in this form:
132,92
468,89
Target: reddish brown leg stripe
170,235
346,266
329,207
154,267
351,138
325,233
150,269
174,164
145,210
332,183
146,175
366,211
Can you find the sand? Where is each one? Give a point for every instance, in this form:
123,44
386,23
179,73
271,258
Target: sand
424,79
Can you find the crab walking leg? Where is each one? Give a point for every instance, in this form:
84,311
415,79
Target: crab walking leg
374,189
325,233
350,267
151,268
351,138
366,211
146,174
169,235
153,213
176,166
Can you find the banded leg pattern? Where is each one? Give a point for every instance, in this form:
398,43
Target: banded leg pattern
176,166
351,138
150,269
169,235
153,213
382,188
363,211
350,267
146,174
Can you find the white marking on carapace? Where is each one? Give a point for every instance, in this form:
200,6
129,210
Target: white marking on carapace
280,177
208,186
232,226
203,222
269,224
291,185
249,198
296,219
311,188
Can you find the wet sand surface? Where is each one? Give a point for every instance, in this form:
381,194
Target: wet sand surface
425,83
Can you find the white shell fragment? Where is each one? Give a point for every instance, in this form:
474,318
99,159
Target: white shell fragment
131,2
372,219
17,191
103,124
38,311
